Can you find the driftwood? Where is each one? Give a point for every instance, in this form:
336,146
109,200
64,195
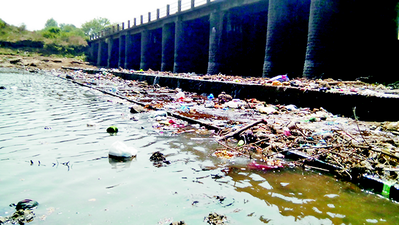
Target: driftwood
238,132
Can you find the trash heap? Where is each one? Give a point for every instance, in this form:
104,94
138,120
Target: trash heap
265,133
343,146
357,87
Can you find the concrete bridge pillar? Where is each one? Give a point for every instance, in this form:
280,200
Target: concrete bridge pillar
145,49
233,42
113,52
168,46
179,57
92,51
215,42
100,53
322,37
128,47
96,53
122,51
102,57
191,45
109,51
156,49
133,51
151,47
286,37
374,41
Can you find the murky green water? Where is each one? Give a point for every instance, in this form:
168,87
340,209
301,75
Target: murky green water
44,118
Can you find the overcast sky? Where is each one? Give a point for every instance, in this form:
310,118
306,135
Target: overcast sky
35,13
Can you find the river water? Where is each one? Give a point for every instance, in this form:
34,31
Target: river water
49,154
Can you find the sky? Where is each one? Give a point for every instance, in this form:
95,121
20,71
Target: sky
35,13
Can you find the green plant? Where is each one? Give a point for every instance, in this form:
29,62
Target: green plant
2,24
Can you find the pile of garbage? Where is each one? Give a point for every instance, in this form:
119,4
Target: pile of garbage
266,133
358,87
343,146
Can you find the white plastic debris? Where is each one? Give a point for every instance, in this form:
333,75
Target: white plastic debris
121,150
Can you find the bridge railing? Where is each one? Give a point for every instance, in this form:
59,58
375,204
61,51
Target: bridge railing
170,9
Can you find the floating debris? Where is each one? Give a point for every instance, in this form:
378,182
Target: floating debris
26,204
215,219
178,223
120,150
158,159
23,214
112,129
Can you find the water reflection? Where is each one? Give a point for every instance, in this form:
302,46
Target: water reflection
120,163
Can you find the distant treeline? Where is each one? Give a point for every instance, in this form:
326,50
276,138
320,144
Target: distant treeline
64,40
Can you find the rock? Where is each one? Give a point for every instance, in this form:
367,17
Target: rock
2,87
137,109
15,61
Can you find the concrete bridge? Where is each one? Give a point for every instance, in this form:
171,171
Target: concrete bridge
313,38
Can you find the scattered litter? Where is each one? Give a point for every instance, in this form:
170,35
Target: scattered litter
279,78
158,159
23,214
215,219
120,150
112,129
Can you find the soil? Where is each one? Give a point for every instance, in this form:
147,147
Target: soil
33,63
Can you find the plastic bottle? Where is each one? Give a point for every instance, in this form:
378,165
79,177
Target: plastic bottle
281,78
209,103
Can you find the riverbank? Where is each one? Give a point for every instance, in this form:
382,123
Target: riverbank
35,63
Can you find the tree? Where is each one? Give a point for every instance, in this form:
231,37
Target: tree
51,23
67,27
22,27
51,32
95,26
2,24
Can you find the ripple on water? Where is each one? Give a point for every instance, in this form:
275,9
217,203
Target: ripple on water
81,185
